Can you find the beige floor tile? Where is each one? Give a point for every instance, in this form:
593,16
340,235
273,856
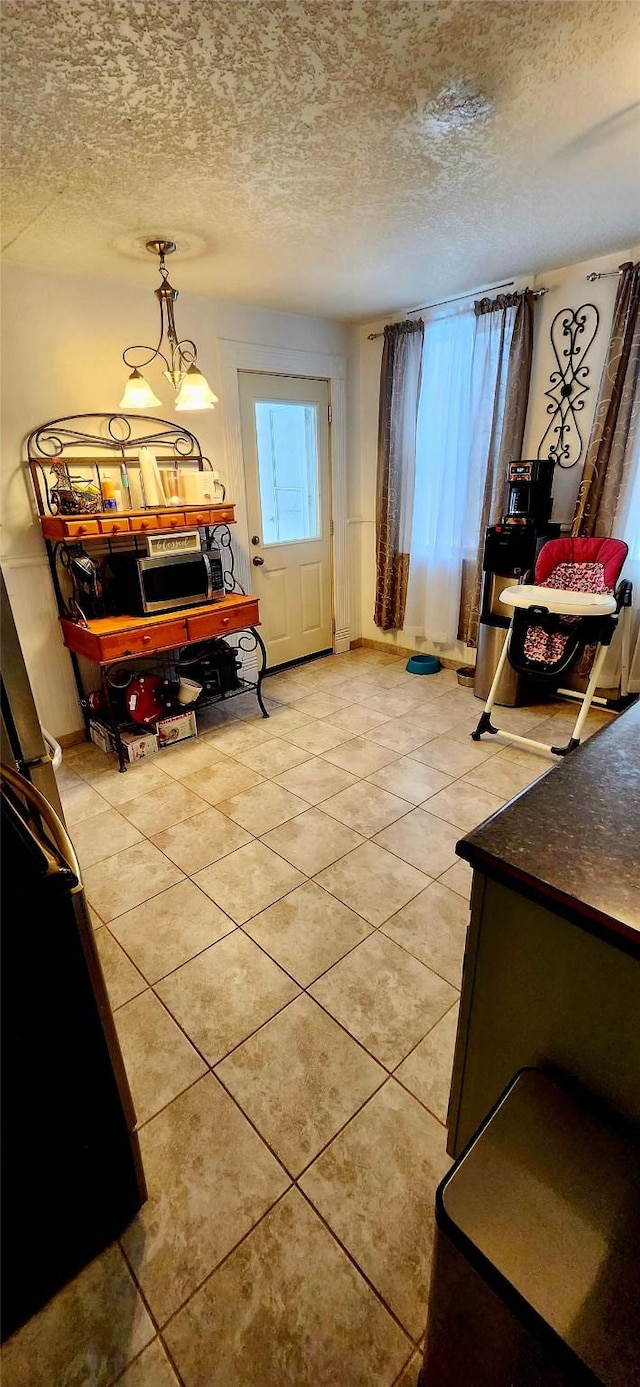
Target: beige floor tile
163,808
427,1070
158,1058
196,843
357,719
86,1335
375,1186
209,1177
274,757
312,841
247,881
520,756
285,719
88,760
222,780
101,836
410,780
171,929
263,807
299,1079
423,840
122,979
225,994
66,779
503,778
316,736
392,701
138,779
455,758
384,997
316,780
321,705
458,878
464,805
366,808
81,801
373,882
359,756
432,718
127,879
238,736
194,755
285,689
307,931
399,736
433,927
300,1283
151,1369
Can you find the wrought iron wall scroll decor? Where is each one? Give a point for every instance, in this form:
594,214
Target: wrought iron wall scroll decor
572,334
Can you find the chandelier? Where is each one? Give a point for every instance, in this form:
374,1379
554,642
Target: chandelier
181,361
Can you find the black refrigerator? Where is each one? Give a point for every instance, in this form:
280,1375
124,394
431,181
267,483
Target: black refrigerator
71,1171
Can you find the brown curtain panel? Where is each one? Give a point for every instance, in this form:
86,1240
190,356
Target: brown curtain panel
515,353
400,376
617,416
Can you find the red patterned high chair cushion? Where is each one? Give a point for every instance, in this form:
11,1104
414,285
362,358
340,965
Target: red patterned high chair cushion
578,565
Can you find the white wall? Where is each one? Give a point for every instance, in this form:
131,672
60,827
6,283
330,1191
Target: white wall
62,340
568,288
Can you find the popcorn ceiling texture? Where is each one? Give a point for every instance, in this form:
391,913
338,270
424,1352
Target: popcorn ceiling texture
291,140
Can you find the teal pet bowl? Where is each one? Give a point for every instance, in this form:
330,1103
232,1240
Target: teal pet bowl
423,664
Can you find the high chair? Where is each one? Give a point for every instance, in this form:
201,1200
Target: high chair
572,603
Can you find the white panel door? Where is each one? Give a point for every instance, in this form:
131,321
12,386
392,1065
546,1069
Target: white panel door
285,442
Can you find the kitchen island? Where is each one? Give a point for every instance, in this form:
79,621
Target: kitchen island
552,965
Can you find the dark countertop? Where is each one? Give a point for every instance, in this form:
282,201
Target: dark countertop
574,837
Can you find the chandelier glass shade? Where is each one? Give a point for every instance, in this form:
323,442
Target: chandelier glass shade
180,355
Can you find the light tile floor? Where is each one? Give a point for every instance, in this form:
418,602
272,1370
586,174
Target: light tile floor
281,917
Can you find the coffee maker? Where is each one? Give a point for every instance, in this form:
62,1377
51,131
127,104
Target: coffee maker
510,549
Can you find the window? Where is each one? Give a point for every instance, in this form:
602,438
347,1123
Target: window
287,445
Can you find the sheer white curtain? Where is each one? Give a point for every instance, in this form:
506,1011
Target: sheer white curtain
461,398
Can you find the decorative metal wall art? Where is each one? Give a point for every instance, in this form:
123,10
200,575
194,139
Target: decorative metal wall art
572,334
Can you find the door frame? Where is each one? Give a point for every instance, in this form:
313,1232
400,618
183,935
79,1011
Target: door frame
291,361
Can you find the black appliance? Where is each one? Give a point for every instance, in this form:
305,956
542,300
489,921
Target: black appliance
215,665
71,1173
168,576
510,550
530,500
86,576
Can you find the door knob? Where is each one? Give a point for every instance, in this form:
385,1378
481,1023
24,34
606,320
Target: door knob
255,539
258,561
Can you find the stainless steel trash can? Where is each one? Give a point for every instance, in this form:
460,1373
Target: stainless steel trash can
492,633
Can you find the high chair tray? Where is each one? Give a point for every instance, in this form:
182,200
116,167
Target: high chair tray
559,600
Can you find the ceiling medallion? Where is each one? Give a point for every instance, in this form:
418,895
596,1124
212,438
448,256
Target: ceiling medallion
181,362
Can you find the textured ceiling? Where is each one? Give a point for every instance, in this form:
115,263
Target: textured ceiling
287,142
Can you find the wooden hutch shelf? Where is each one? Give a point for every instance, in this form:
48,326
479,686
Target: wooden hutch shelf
98,441
119,637
83,526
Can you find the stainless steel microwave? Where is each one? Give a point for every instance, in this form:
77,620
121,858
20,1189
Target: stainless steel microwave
146,584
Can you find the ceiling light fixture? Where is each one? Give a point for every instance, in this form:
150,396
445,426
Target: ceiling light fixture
181,364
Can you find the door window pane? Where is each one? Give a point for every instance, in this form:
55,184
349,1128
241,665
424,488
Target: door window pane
287,444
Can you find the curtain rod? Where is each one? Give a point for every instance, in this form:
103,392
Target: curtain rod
604,274
474,293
